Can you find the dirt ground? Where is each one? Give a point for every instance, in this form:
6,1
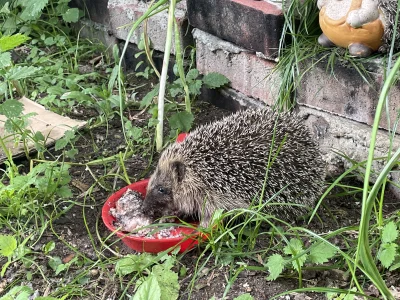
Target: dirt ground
84,218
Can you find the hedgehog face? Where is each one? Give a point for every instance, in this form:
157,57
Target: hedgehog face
159,200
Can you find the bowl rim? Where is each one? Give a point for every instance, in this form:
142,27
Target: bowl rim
108,218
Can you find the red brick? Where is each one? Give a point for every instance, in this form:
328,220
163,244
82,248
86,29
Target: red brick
253,25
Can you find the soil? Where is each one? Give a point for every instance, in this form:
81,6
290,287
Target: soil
80,230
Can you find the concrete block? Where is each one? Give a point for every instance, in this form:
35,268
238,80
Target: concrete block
344,92
248,73
253,25
126,12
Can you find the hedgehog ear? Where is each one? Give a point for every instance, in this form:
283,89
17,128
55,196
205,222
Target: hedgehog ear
179,168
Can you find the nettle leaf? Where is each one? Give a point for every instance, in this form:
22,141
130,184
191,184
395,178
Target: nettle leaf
294,248
175,89
33,9
168,282
148,290
11,108
194,87
192,74
321,253
182,120
71,15
389,232
5,60
19,72
276,264
8,42
8,244
214,80
387,254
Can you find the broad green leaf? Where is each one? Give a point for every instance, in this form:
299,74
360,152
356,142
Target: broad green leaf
55,90
49,247
387,254
148,290
8,42
64,192
147,100
60,268
18,293
3,88
275,265
321,253
54,262
5,60
6,8
17,73
76,95
71,15
133,263
113,78
11,108
214,80
8,244
389,232
246,296
192,74
33,9
168,282
195,87
39,136
182,120
60,144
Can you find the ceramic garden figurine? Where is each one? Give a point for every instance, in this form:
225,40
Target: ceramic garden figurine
362,26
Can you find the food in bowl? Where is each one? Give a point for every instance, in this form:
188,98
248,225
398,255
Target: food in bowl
130,218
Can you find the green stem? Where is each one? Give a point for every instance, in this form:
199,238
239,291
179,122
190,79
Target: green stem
120,75
163,78
364,249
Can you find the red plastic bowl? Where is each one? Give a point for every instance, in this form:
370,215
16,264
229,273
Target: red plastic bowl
187,241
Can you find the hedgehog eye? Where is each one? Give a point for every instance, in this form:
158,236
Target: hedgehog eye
162,190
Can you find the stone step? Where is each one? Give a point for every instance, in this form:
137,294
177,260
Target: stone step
124,13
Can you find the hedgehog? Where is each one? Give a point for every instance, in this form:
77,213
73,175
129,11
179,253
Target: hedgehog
223,165
389,10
